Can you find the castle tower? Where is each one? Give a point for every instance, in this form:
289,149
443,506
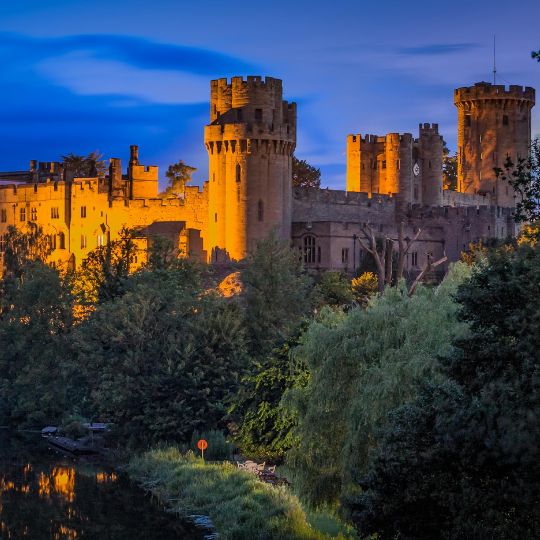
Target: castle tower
493,122
143,180
250,141
430,149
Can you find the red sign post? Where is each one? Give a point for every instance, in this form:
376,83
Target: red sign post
202,445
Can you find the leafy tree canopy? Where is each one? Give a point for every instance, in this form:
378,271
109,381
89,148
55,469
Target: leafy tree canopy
277,295
162,360
304,174
361,365
450,169
461,461
89,166
179,175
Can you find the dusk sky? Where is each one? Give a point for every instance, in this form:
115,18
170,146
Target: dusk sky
103,74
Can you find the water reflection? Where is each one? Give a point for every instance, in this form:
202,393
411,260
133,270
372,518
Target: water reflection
43,496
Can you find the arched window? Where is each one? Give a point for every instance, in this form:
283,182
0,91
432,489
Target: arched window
309,249
62,240
260,211
238,173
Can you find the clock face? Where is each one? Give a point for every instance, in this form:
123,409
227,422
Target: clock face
416,169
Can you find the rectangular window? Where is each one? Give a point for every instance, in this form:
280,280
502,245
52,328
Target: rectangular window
414,258
345,255
83,211
467,120
3,215
384,164
100,240
55,214
505,120
52,241
258,115
2,243
33,213
22,214
83,241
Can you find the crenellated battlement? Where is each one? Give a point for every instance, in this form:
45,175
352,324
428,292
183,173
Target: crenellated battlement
342,197
428,130
454,212
485,90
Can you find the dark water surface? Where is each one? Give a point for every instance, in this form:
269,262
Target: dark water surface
44,495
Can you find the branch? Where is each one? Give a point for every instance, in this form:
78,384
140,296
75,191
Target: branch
429,266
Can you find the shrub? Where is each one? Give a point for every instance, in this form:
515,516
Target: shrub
219,449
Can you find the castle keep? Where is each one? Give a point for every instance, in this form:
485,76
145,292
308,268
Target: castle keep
392,181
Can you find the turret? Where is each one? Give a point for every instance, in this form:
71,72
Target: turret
431,148
494,122
250,141
143,180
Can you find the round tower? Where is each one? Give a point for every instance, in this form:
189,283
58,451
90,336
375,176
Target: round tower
494,122
250,141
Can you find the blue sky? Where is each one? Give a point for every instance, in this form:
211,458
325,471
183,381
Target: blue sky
77,75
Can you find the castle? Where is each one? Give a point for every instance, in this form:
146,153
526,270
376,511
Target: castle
392,181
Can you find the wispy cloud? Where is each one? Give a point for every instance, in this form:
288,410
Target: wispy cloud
135,51
438,49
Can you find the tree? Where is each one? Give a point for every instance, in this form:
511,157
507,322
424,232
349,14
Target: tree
35,318
450,169
162,360
364,287
23,248
524,177
305,175
103,273
88,166
461,461
334,289
362,364
264,429
277,295
536,54
179,175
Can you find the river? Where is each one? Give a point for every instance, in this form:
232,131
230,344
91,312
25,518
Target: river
47,496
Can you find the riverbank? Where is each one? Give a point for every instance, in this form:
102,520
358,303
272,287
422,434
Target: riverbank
240,506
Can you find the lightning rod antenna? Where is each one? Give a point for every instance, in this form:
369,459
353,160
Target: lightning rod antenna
494,60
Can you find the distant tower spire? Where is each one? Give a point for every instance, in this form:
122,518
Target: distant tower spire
494,60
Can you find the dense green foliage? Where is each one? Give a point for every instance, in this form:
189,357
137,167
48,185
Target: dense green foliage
461,461
163,359
334,289
276,294
277,299
239,505
265,427
361,365
35,318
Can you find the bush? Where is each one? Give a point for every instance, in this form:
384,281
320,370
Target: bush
240,506
219,449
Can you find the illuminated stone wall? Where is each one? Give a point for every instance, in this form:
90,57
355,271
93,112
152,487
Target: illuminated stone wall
493,122
250,141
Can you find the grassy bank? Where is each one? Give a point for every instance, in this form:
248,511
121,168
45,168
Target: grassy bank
239,505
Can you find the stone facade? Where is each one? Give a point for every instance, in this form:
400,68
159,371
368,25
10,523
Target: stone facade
250,141
396,164
494,122
391,181
81,214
